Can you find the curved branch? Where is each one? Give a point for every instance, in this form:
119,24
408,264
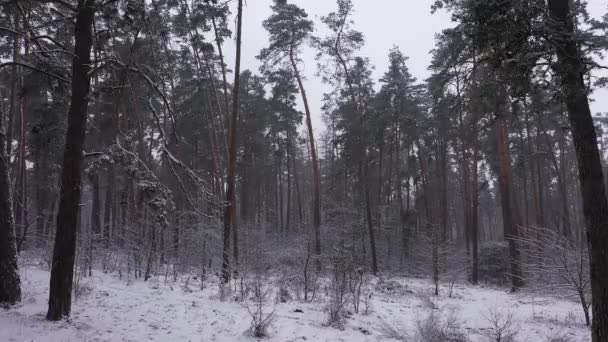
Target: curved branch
31,67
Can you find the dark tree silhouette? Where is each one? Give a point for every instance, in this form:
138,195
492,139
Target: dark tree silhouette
62,268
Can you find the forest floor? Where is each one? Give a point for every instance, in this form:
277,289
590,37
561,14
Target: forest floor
112,309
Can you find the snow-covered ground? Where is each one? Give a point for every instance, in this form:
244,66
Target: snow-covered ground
113,309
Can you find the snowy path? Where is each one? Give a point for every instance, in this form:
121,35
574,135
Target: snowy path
112,310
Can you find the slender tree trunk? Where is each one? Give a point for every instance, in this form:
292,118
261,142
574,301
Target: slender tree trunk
380,184
539,182
524,177
475,209
13,94
368,212
511,220
466,179
288,166
532,168
96,206
430,224
21,219
564,187
20,203
595,206
230,224
443,191
151,254
298,194
245,187
280,190
60,294
116,213
10,290
387,192
108,213
405,235
96,217
41,191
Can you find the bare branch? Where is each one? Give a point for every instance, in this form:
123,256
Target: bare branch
31,67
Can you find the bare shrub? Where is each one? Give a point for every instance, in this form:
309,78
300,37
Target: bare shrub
435,328
340,267
295,265
346,286
257,306
430,256
308,278
503,325
556,265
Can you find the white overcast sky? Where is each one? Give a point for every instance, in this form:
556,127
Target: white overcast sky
407,24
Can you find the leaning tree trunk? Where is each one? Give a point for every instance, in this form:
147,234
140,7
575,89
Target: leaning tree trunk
218,41
230,212
316,187
60,294
595,206
10,291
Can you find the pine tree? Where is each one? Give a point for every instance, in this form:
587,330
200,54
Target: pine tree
230,223
289,29
595,205
60,294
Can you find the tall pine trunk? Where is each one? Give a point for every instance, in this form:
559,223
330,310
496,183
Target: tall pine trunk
60,294
230,224
510,214
595,206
